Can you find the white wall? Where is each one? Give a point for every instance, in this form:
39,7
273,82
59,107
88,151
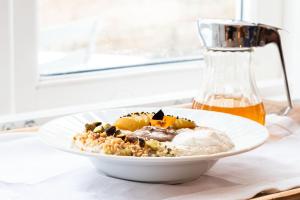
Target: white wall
6,94
266,60
264,11
291,41
284,14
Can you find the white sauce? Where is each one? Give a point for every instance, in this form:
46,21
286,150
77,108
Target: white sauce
201,141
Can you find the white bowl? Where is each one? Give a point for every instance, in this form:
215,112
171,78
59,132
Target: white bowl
245,134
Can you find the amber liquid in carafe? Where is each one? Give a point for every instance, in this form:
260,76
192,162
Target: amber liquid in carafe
234,105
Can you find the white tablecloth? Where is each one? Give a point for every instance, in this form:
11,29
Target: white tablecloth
31,170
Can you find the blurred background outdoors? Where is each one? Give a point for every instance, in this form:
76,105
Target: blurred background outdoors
80,35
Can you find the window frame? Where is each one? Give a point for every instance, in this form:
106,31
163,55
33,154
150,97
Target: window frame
6,60
30,92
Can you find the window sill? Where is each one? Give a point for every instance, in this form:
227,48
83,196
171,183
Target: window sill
268,88
107,86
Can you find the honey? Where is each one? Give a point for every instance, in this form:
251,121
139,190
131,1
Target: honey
235,106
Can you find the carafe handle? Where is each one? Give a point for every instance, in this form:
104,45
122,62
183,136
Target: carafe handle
269,34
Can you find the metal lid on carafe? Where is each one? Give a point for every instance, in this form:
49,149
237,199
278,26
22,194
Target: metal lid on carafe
234,34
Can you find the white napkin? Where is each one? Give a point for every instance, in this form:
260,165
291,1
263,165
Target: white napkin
30,170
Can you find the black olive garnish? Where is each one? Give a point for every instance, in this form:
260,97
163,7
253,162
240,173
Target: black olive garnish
169,150
97,123
131,138
110,131
122,136
118,132
159,115
141,142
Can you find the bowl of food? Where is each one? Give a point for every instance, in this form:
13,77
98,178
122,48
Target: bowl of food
168,145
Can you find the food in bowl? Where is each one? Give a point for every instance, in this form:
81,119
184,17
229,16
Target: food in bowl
144,134
201,141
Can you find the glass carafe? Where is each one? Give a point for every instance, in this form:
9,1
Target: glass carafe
227,81
229,86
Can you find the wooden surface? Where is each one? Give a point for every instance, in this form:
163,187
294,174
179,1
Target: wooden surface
271,107
293,194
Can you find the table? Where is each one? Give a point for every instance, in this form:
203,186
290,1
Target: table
292,194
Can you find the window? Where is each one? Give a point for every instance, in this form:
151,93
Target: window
62,54
78,36
136,51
